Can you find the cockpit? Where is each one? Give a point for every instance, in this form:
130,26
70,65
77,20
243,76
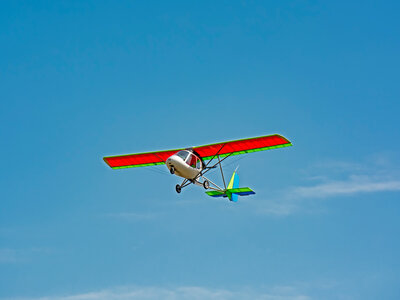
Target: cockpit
190,159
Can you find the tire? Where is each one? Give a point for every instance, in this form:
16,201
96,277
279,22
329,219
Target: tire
206,184
172,170
178,188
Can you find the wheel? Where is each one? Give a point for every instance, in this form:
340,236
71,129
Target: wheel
178,188
206,184
172,170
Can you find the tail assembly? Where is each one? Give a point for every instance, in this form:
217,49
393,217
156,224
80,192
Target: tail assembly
233,190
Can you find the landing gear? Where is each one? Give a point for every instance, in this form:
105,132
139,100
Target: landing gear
172,170
206,184
178,188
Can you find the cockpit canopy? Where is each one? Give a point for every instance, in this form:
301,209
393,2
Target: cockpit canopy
190,159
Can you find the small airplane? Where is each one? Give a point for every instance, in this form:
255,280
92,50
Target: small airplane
189,163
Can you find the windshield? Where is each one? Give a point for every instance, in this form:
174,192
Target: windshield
183,154
191,161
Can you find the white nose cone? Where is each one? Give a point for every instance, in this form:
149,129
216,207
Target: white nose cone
173,161
181,168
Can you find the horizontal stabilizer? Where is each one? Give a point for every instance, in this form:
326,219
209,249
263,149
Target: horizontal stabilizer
216,194
245,191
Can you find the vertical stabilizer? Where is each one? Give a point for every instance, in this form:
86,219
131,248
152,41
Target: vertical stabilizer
233,184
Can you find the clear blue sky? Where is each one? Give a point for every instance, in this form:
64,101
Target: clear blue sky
82,80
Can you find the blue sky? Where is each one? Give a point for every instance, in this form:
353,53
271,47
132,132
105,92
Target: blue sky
82,80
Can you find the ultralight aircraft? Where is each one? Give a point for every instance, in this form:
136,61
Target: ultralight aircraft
190,163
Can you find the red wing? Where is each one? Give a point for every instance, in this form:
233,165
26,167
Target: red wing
243,146
206,152
139,159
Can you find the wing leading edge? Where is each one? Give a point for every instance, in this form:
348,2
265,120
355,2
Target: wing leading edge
206,152
243,146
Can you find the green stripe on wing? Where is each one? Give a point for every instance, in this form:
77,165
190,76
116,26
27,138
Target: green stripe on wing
250,151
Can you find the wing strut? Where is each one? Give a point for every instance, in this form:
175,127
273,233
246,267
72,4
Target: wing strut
222,173
215,156
209,168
